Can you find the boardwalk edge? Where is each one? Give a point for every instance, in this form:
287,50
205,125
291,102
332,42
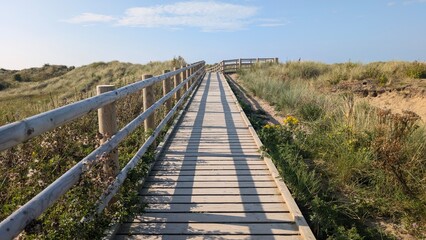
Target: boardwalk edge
300,220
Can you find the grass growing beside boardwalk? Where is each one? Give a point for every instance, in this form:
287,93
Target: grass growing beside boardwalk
30,167
355,170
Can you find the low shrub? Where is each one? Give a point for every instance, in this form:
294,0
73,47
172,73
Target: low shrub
346,163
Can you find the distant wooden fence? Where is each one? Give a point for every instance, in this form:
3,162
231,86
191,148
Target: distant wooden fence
15,133
233,65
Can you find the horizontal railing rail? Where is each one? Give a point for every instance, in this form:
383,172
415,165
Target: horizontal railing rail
233,65
15,133
18,132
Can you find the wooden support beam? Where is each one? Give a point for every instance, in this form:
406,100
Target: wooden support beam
107,120
148,100
167,86
176,82
191,71
183,77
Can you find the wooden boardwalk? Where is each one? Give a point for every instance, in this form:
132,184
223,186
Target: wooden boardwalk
210,181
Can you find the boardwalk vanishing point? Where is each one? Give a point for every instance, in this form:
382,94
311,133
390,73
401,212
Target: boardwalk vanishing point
211,182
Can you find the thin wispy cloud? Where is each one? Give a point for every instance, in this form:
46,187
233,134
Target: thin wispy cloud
206,16
405,2
90,18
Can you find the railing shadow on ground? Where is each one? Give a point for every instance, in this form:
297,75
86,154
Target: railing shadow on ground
185,179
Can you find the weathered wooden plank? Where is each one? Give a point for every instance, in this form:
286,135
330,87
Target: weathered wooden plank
213,110
215,217
212,139
216,147
210,163
211,237
224,150
209,191
209,228
208,178
250,153
213,199
213,130
209,172
206,159
221,184
211,154
161,166
213,125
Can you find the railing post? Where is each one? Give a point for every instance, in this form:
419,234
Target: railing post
184,77
188,73
148,100
239,64
276,60
107,120
191,71
166,89
176,82
222,64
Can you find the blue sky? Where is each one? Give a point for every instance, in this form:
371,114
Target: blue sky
78,32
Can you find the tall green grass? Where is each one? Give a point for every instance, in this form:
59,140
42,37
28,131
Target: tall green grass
350,165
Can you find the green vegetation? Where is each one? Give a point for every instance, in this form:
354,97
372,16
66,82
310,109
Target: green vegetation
352,168
24,99
28,168
34,74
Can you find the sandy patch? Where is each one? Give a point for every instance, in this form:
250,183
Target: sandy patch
397,102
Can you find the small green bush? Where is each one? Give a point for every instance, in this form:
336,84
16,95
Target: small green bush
4,85
416,70
310,111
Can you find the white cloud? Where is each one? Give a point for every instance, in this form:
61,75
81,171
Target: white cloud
207,16
405,2
90,18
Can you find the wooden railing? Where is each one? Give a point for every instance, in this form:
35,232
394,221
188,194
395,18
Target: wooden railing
233,65
15,133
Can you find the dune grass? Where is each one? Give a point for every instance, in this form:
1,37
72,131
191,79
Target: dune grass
352,167
28,98
28,168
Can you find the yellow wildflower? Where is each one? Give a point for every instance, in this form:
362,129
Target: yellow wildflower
267,126
290,120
